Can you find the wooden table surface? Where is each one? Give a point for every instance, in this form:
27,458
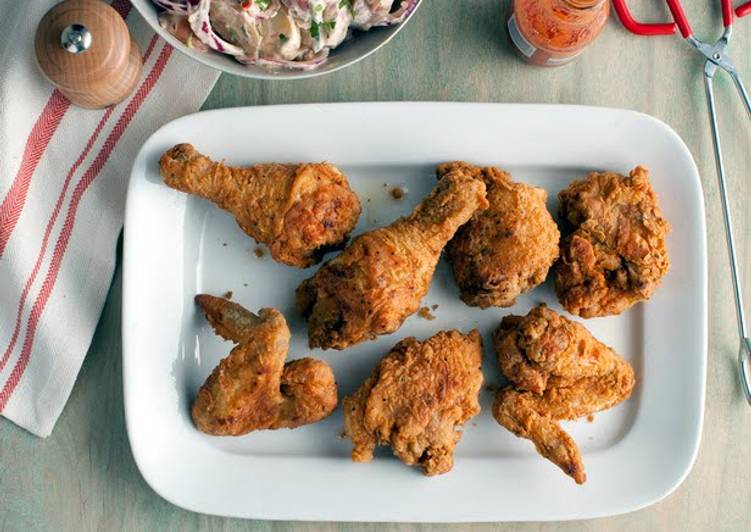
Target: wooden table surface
83,476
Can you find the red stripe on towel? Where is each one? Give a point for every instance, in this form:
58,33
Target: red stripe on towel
62,242
36,144
53,219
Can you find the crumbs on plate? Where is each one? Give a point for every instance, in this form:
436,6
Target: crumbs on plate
228,294
399,192
424,312
259,252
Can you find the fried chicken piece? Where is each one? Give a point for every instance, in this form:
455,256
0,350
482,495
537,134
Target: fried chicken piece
558,371
415,399
508,248
299,211
252,388
379,280
616,255
512,409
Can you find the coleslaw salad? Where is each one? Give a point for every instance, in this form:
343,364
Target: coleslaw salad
294,34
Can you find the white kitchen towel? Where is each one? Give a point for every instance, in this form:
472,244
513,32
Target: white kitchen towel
63,177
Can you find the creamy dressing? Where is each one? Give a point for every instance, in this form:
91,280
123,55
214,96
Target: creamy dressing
278,33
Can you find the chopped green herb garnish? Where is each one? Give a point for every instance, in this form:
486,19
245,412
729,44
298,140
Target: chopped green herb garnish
329,25
318,8
282,37
263,4
314,30
348,5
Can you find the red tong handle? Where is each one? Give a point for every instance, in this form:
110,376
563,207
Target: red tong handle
743,10
727,13
640,28
679,16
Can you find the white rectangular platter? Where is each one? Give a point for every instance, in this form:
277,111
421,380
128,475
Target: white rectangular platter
177,246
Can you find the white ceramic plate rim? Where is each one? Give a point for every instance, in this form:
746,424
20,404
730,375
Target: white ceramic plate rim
424,513
219,61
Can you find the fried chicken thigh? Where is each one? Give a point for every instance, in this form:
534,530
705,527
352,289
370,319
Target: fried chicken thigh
379,280
252,388
558,371
299,211
415,399
616,255
506,249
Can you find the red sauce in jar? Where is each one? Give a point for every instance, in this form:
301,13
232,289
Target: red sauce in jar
553,32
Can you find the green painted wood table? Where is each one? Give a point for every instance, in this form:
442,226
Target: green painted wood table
83,476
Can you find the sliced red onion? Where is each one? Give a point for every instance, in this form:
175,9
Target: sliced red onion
179,7
398,16
200,23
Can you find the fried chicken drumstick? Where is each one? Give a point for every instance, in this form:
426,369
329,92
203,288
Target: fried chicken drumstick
252,388
299,211
616,255
558,371
506,249
380,278
415,399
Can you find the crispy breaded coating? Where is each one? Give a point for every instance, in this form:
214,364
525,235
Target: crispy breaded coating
616,255
558,371
415,399
506,249
380,278
252,388
299,211
513,410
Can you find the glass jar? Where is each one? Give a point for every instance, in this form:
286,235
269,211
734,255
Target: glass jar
553,32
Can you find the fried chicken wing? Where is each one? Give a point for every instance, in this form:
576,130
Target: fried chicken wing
558,371
252,388
299,211
616,255
415,399
513,411
506,249
379,280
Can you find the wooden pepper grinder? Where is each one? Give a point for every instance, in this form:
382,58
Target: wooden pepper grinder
83,48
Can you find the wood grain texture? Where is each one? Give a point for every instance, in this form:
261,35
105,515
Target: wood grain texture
101,76
83,476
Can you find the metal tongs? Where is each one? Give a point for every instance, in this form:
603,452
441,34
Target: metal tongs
715,53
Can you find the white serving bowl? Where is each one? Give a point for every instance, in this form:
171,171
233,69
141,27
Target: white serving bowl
360,46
